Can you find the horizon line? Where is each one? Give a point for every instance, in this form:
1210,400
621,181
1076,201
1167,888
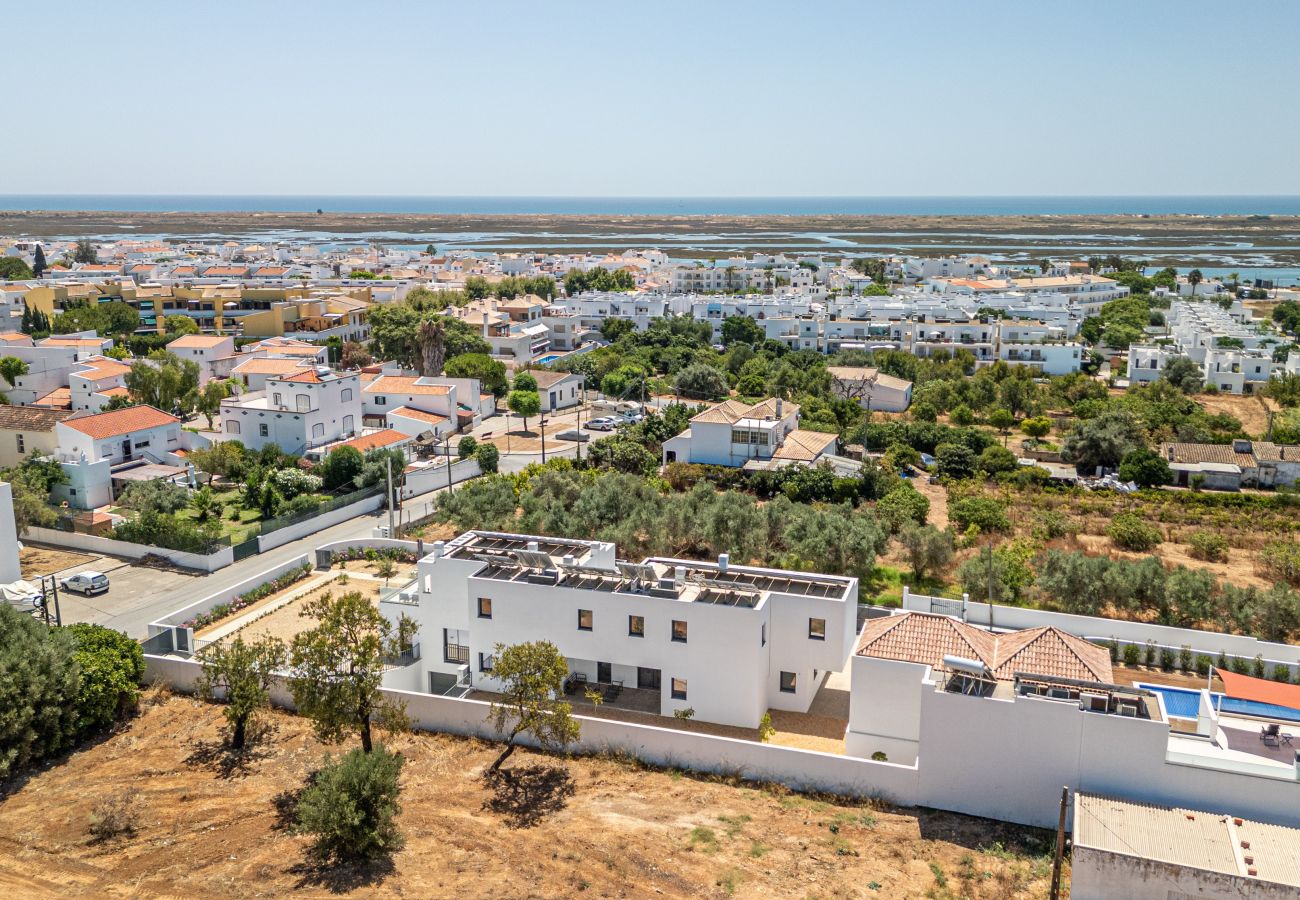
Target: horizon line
669,196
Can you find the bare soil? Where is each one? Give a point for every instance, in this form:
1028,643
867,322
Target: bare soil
37,561
288,620
1251,410
208,828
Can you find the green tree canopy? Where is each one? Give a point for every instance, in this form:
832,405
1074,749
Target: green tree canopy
531,687
491,373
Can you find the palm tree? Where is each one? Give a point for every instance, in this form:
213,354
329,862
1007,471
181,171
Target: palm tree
1235,278
1194,278
204,503
431,336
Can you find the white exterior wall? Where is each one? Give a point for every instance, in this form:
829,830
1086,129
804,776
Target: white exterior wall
333,413
73,444
10,571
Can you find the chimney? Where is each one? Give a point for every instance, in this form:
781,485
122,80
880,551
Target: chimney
723,560
437,549
485,323
568,559
780,406
532,546
679,574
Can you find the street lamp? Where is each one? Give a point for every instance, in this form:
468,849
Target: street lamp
542,420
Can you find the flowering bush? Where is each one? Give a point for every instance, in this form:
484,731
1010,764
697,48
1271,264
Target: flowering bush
243,601
374,554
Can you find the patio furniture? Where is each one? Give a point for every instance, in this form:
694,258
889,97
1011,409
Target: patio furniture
1271,735
612,691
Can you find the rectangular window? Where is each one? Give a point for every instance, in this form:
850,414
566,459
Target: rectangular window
347,424
816,629
485,662
636,626
788,681
584,620
232,427
679,631
381,401
22,444
679,688
346,395
263,430
762,635
485,607
318,430
278,399
303,401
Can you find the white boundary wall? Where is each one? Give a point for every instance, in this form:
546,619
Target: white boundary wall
109,547
302,529
974,759
434,478
1209,643
172,621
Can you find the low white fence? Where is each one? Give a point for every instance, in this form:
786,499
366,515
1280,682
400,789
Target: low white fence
434,478
1209,643
290,533
110,547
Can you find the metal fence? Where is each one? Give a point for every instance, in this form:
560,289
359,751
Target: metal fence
270,525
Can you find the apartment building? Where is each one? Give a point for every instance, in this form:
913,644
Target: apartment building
296,411
515,330
1232,353
726,641
214,354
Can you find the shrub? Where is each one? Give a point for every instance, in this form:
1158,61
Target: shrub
1280,560
997,459
879,756
467,447
1282,672
1208,546
38,690
1130,532
1240,666
1167,660
488,457
984,513
110,667
221,610
903,505
1152,654
1185,658
1131,654
1222,663
1257,667
291,483
1052,523
954,460
766,730
114,817
1203,664
351,806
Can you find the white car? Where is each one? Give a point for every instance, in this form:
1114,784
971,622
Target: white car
605,423
86,583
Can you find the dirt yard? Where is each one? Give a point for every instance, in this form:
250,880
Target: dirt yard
1252,410
287,621
38,561
607,829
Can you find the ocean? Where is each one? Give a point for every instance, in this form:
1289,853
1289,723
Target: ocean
666,206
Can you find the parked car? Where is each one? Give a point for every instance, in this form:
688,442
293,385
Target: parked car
574,434
604,423
630,418
86,583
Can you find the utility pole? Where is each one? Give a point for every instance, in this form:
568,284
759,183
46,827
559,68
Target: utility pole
448,455
388,478
988,548
578,427
1060,846
58,615
542,422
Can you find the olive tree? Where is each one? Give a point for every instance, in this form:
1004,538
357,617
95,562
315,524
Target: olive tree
242,674
532,685
338,666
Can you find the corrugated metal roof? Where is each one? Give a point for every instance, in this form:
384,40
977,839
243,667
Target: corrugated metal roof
1190,838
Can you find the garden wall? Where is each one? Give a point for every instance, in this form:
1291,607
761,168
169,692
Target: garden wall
1094,628
172,621
798,769
291,533
110,547
435,478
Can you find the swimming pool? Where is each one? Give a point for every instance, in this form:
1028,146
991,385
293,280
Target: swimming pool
549,358
1181,703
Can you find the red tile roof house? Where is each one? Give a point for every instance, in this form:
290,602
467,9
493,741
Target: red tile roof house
91,444
387,392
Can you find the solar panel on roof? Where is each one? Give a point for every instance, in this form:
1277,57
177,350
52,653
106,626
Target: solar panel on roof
533,559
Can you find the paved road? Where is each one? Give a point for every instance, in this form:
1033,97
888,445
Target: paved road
139,595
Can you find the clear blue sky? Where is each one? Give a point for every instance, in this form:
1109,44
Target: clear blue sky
652,99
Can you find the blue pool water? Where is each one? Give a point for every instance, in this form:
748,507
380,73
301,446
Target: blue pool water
1182,704
549,358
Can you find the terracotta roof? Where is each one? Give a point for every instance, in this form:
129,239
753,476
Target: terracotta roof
549,379
1206,453
309,376
59,398
410,412
404,384
120,421
386,438
30,418
197,341
98,368
261,365
805,445
15,337
927,638
114,392
72,342
224,271
1267,451
728,412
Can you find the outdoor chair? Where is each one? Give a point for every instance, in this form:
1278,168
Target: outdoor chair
1271,734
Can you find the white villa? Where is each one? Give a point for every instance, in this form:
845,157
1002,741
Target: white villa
727,641
313,405
732,433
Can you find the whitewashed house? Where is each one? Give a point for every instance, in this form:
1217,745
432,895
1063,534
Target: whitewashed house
296,412
729,642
